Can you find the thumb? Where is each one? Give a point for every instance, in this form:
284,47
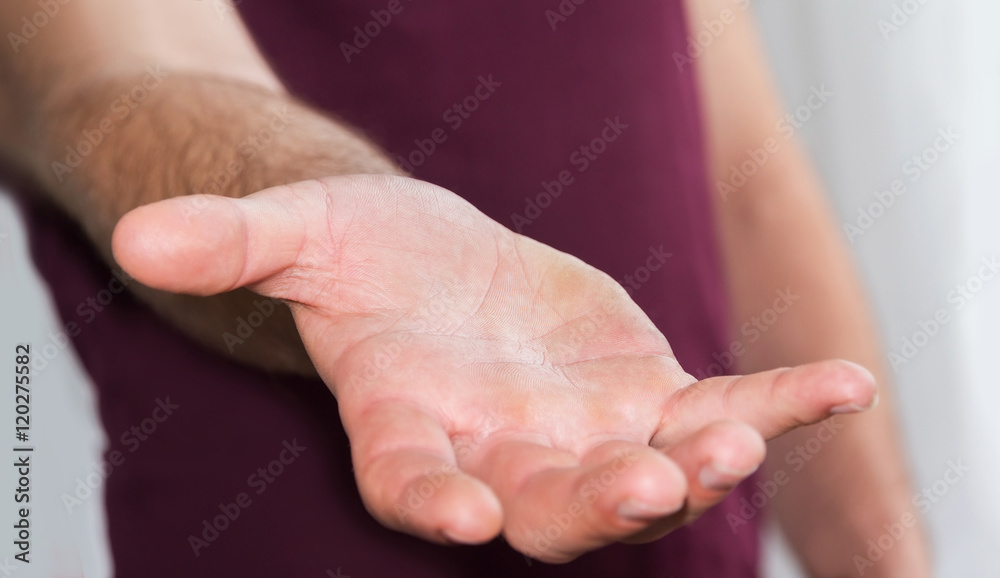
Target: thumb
205,244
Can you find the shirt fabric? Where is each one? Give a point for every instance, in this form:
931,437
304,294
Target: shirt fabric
569,123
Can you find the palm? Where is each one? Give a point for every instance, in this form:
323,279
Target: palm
505,317
498,370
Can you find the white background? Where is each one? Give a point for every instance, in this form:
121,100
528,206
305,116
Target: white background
65,430
891,95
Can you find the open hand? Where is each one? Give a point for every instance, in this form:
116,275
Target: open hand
488,383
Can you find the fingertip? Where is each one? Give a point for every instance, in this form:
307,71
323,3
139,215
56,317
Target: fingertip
123,241
643,482
856,386
734,451
719,456
773,402
461,510
861,371
739,445
475,513
655,487
182,245
832,387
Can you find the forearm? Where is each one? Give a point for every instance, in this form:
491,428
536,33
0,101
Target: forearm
796,298
103,152
845,484
120,128
194,134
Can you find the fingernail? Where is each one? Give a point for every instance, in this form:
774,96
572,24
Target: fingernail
719,478
854,408
847,408
861,368
636,510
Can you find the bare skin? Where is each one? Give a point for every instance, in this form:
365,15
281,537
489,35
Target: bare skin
777,231
453,345
516,370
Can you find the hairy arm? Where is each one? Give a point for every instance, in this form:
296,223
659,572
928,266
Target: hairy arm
114,104
777,233
122,109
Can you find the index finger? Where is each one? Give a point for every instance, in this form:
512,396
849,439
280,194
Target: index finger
772,402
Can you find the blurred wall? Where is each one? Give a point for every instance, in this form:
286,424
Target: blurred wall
917,79
68,536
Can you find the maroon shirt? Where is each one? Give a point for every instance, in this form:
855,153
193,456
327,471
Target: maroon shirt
570,123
